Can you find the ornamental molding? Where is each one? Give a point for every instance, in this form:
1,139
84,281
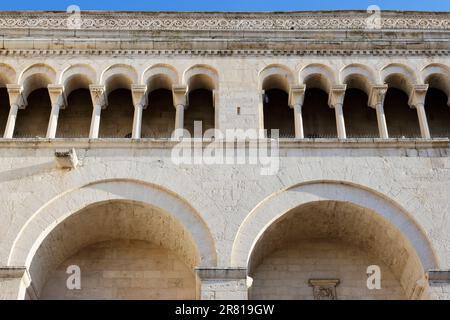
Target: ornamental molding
244,52
151,21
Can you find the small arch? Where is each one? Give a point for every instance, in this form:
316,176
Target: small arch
37,76
7,75
399,76
276,76
202,82
437,76
201,76
358,76
318,76
160,76
77,76
118,76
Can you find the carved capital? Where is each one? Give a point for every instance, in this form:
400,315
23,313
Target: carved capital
16,97
139,94
324,289
57,95
297,95
180,95
98,95
336,96
377,95
417,96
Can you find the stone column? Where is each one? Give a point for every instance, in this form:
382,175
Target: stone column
99,101
180,102
376,101
336,101
222,283
17,101
58,100
417,100
296,98
15,284
139,94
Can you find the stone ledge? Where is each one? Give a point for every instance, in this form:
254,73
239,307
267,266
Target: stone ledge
439,276
149,143
12,272
222,273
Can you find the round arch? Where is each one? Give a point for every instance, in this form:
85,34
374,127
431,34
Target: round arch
277,205
119,76
358,76
437,76
319,76
48,217
7,75
399,76
37,76
201,76
276,76
77,76
160,76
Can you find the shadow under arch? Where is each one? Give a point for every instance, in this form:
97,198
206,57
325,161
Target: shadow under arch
45,220
278,204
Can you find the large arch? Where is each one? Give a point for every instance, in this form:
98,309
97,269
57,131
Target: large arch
40,227
399,224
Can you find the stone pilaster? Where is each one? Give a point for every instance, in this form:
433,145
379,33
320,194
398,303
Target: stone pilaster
439,284
15,284
222,283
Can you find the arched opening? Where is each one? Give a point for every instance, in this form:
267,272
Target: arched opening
319,120
201,103
438,113
437,101
75,120
117,118
334,242
158,119
124,250
32,121
360,119
401,119
277,113
4,109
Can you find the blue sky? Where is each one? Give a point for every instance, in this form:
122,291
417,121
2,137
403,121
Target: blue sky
226,5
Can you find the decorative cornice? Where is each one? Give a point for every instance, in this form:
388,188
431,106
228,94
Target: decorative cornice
151,21
239,52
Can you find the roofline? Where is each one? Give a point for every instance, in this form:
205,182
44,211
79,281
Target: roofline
224,12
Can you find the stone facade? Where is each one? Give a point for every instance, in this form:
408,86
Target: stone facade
88,104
